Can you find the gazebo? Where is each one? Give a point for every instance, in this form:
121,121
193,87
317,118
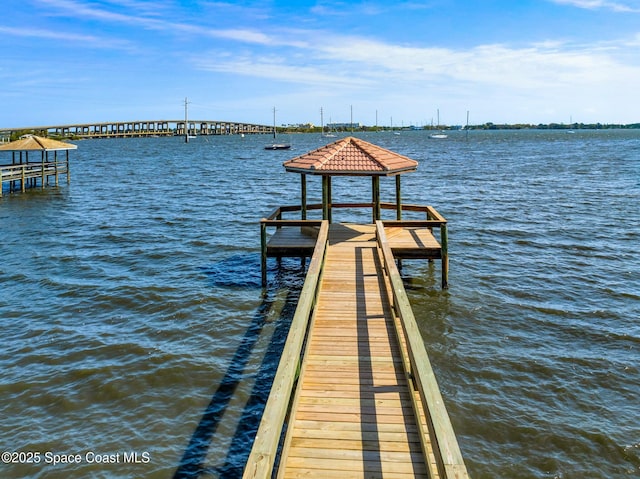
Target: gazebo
21,169
350,157
407,239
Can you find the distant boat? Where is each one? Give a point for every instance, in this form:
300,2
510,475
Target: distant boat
274,145
278,146
442,134
397,133
438,136
328,134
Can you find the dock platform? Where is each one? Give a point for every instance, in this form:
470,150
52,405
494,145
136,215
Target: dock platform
354,395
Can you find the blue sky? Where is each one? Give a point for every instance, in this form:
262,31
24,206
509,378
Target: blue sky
524,61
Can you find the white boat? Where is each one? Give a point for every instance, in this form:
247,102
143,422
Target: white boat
278,146
438,136
328,134
274,145
441,135
397,133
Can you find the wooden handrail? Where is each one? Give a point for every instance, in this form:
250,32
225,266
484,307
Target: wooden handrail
280,223
430,212
414,223
263,453
419,372
32,165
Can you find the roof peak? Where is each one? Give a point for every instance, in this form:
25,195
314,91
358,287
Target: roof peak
351,156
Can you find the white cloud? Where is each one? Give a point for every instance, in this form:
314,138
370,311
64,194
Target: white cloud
368,62
78,40
41,33
276,68
629,6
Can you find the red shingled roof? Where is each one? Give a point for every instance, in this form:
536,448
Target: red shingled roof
353,157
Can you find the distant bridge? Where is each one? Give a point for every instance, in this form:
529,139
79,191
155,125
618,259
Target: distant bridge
148,128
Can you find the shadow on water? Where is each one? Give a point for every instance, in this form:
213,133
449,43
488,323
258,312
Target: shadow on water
237,271
288,278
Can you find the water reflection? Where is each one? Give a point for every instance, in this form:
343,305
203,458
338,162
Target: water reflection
279,302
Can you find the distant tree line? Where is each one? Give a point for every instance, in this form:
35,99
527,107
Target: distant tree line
554,126
310,128
484,126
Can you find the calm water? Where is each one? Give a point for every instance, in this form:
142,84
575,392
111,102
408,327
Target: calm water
135,332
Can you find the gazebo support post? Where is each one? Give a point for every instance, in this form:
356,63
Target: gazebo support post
375,190
43,156
303,195
326,198
12,184
23,180
325,201
398,199
330,200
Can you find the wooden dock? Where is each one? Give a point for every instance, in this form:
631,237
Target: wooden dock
28,172
33,174
352,414
354,395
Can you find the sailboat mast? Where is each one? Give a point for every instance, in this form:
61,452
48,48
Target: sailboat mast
274,122
186,121
467,126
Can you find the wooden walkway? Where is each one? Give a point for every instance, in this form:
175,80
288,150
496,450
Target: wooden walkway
352,414
354,395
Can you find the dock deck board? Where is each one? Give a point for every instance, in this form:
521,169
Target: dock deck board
352,415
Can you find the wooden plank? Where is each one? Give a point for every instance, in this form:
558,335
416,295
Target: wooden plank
303,474
355,427
368,463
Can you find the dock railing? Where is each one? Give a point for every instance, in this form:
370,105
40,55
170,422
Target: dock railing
34,170
429,211
433,220
265,447
420,375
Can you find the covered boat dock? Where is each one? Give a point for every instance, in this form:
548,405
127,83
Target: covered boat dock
354,395
26,170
